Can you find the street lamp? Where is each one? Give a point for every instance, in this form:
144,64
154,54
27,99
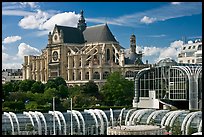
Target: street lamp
71,117
54,115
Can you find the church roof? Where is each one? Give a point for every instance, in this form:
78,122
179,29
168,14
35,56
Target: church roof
71,34
99,33
133,58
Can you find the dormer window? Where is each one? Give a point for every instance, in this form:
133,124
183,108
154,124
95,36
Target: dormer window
189,47
184,48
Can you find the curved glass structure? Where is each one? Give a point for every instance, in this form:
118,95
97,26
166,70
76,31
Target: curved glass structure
168,83
97,122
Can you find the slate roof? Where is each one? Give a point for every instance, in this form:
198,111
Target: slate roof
99,33
133,58
71,34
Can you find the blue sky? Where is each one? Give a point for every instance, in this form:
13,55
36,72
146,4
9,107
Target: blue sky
158,26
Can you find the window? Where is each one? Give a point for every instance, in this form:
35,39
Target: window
108,54
188,61
105,75
200,47
96,75
192,60
193,47
184,48
189,47
87,76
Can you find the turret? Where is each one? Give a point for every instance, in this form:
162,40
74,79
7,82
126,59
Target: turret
49,38
81,23
133,43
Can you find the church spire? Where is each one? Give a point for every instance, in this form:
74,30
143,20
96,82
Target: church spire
81,23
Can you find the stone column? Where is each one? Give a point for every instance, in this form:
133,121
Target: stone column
37,70
82,67
101,73
75,74
90,73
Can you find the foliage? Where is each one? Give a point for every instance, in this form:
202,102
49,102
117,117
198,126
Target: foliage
176,128
37,87
63,91
7,87
32,105
34,95
49,94
14,105
50,84
91,89
118,90
17,96
26,85
60,81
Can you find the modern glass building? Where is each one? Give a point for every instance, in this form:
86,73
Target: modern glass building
103,122
170,84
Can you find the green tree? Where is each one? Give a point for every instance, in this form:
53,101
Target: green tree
26,85
20,96
63,91
117,90
16,86
7,88
37,87
14,105
50,93
50,84
91,89
32,105
60,81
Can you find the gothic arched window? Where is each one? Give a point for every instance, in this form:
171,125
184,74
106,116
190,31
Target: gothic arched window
96,75
87,76
105,75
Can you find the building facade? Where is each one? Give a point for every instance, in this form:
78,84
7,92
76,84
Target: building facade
9,75
191,52
171,84
82,54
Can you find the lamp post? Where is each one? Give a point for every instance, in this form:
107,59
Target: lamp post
54,115
71,119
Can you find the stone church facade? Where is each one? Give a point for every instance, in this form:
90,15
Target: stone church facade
82,54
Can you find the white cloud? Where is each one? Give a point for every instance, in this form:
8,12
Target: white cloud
30,4
154,54
16,12
66,19
24,49
151,51
45,21
171,51
11,39
156,36
147,20
162,13
16,61
3,48
11,65
34,21
5,57
176,3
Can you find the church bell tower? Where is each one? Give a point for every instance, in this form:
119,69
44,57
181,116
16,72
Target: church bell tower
133,43
81,23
